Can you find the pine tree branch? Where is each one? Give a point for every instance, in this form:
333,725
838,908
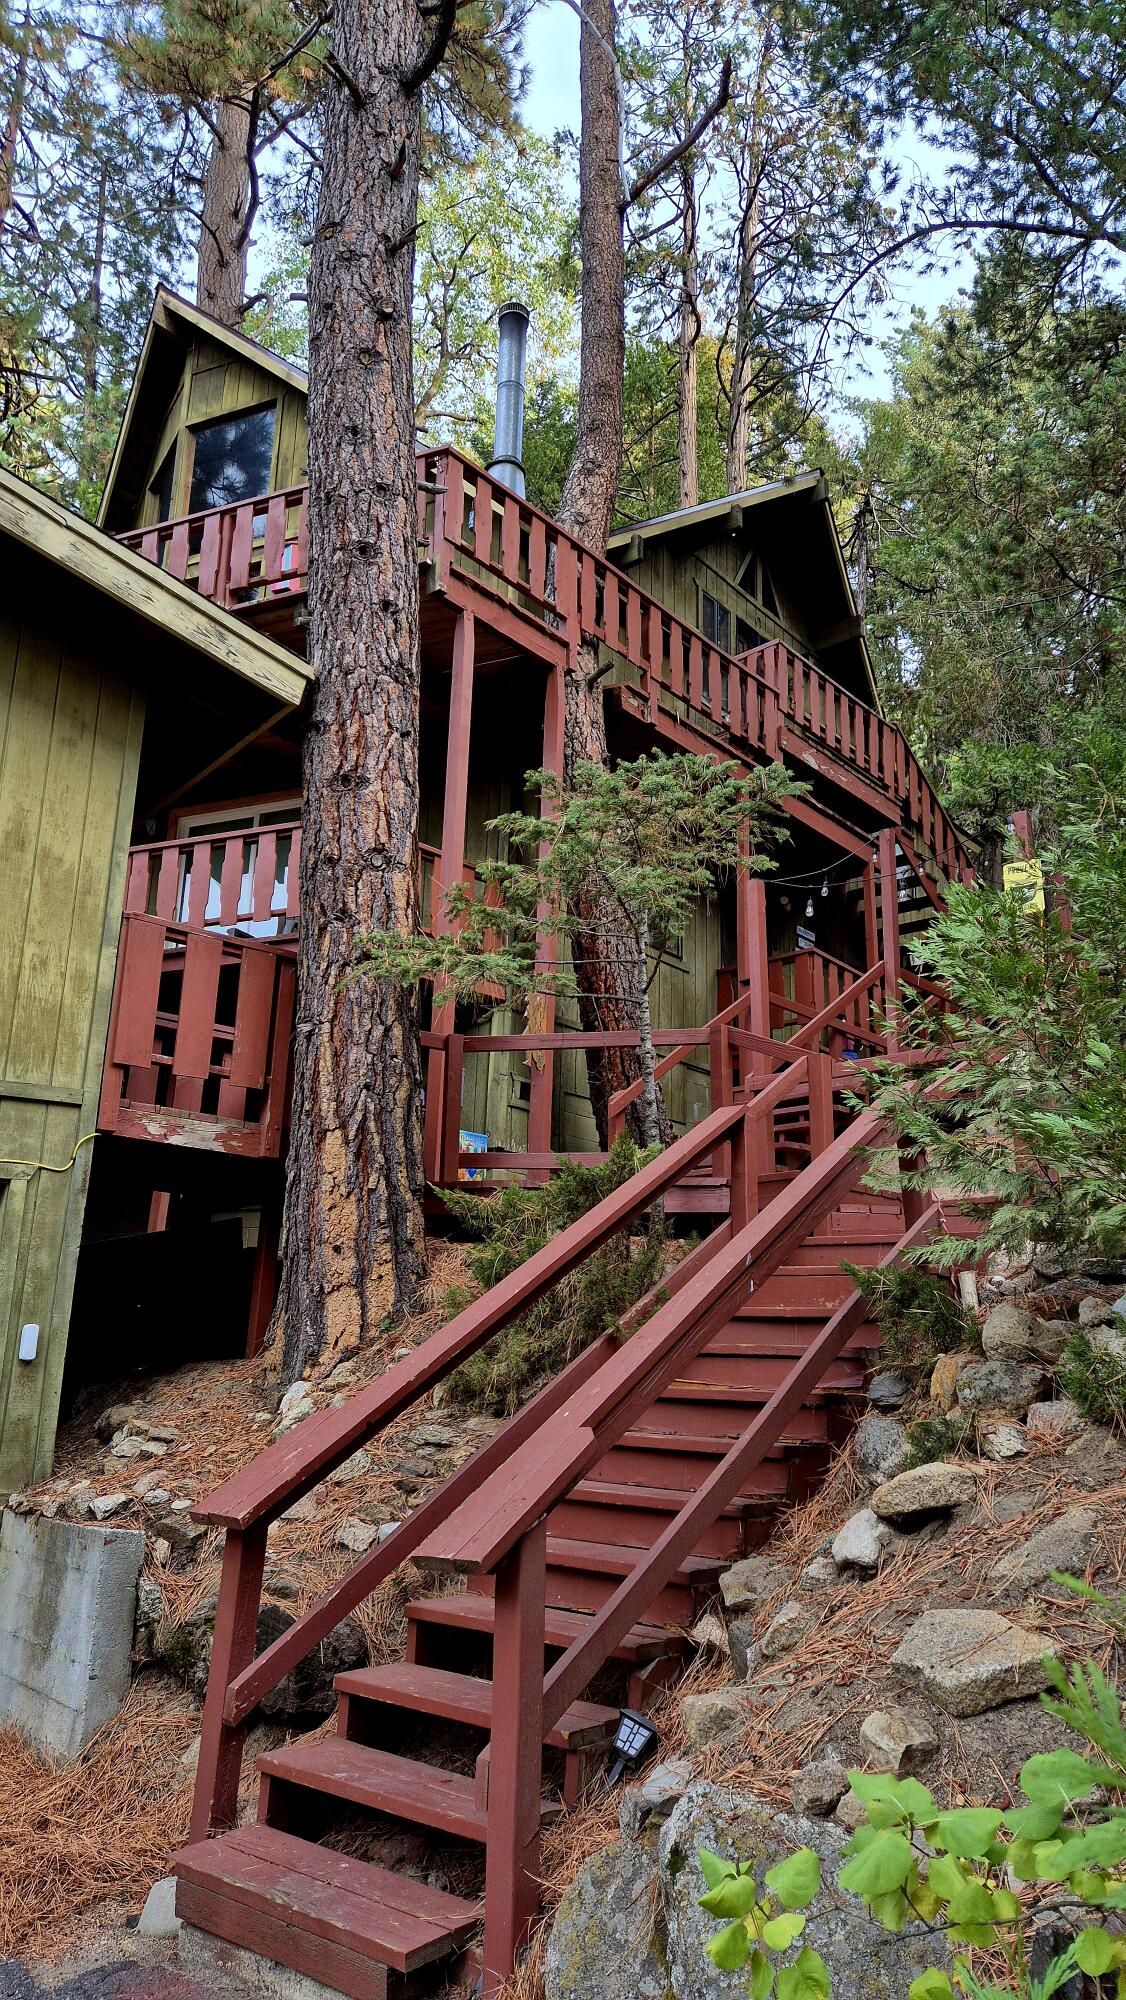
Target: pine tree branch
445,19
692,138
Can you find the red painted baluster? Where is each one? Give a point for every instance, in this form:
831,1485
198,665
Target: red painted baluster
265,877
253,1008
510,538
230,878
300,569
139,967
633,626
293,874
208,570
242,546
516,1755
168,884
537,556
137,882
696,671
179,550
195,1029
199,882
483,520
273,547
215,1803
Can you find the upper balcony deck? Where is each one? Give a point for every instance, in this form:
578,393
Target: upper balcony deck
483,547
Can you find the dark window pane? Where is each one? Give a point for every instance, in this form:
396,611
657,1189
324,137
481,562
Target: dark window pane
232,460
715,621
746,638
161,488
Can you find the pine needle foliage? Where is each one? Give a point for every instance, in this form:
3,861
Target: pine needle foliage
645,839
917,1314
1094,1376
509,1227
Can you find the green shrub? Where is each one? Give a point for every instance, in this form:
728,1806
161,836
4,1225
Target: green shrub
509,1227
1095,1379
917,1314
931,1438
1066,1843
1028,1065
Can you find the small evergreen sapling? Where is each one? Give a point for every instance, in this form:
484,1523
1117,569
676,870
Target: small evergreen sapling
647,837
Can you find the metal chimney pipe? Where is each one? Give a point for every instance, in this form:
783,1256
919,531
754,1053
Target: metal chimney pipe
508,431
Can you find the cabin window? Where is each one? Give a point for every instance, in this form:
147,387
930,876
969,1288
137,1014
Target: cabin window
715,621
232,460
746,638
754,579
161,488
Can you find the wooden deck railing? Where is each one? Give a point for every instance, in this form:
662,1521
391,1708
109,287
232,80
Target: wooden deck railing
472,527
199,1038
245,882
238,554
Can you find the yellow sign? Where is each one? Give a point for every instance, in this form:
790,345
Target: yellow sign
1026,878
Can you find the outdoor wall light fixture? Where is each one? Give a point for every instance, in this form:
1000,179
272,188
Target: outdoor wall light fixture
634,1740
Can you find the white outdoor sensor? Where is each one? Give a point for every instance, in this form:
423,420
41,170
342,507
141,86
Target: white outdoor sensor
29,1341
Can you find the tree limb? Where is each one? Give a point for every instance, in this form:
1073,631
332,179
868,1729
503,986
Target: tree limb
707,117
445,18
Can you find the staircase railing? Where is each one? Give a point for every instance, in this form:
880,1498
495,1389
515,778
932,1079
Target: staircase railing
246,1505
499,1528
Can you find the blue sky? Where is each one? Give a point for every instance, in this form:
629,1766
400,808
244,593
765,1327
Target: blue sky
552,48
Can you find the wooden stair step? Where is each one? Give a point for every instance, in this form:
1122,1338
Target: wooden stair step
664,1499
604,1559
694,1422
472,1611
742,1371
421,1794
459,1698
634,1516
318,1911
637,1462
781,1338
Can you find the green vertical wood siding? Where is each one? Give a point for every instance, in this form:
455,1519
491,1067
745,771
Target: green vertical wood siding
70,728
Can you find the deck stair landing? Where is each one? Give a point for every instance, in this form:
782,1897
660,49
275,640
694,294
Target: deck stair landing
570,1559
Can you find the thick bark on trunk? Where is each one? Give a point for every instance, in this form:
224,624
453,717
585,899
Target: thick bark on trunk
586,506
354,1248
223,239
688,481
609,971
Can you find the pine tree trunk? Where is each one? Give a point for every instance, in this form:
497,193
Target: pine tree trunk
354,1249
688,480
608,967
223,240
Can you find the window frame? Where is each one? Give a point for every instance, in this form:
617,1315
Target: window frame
195,430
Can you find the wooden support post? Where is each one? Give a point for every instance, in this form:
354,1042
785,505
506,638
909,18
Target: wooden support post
215,1803
264,1286
542,1082
451,1110
450,870
456,795
889,924
752,952
512,1851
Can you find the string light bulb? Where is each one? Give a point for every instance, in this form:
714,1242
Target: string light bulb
809,907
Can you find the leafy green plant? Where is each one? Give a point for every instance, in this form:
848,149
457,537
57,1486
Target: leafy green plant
1095,1378
917,1314
760,1927
510,1227
954,1871
931,1438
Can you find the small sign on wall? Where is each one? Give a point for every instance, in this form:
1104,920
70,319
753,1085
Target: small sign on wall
1026,878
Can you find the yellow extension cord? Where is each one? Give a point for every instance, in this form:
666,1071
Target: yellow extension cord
44,1166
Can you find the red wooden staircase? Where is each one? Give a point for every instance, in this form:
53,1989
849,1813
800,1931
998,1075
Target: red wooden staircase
573,1552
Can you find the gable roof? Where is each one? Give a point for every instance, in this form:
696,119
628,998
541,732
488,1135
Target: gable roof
790,522
143,590
173,326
